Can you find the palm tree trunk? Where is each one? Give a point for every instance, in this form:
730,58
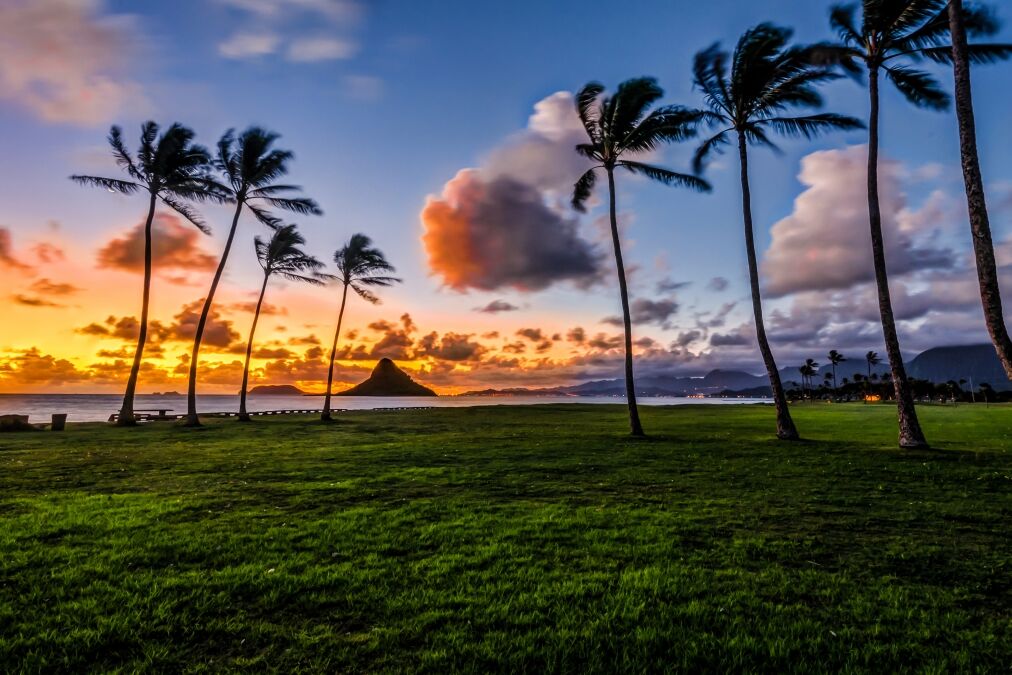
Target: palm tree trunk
243,415
635,428
192,420
126,413
911,435
325,415
785,425
980,226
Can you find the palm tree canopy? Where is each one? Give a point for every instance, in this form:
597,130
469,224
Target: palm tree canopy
894,31
767,79
872,358
251,164
836,357
623,124
361,264
282,255
171,167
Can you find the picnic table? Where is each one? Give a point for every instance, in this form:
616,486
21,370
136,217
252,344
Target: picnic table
146,414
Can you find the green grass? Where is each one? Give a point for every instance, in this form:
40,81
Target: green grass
490,539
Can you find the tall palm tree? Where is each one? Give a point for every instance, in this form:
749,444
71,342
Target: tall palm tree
359,266
767,79
976,21
170,168
620,126
891,35
282,255
251,167
835,359
872,359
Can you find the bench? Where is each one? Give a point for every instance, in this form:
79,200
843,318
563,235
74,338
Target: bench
146,414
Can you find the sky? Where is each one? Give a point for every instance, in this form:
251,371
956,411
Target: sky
444,131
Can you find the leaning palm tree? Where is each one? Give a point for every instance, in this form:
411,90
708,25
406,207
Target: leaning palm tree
892,34
619,126
766,80
961,22
359,265
835,359
281,256
251,167
169,168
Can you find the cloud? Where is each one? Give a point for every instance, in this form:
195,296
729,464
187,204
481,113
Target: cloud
508,223
63,59
717,284
668,285
174,245
450,347
30,367
497,306
532,334
313,49
825,243
645,311
499,233
31,301
303,31
249,45
7,256
47,287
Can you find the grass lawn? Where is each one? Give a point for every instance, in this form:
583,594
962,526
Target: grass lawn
511,538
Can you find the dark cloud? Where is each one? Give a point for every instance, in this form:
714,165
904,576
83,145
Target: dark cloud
497,306
532,334
668,285
7,256
47,287
499,233
645,311
450,347
30,301
718,284
174,245
577,335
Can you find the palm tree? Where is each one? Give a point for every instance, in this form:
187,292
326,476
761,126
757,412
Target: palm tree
359,266
976,21
251,167
170,168
619,126
835,359
872,359
811,369
767,78
281,255
890,32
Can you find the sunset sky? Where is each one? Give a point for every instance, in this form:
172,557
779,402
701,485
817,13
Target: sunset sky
445,131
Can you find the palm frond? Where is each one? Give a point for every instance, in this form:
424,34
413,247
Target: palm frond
585,101
188,212
714,144
811,126
666,176
918,87
668,124
365,294
122,155
111,184
582,190
303,205
841,19
980,54
264,216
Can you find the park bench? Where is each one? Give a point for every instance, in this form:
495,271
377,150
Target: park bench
147,414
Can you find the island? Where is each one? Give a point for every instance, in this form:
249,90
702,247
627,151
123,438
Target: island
388,380
276,390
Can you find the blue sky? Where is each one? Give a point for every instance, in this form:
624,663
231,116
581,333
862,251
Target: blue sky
394,98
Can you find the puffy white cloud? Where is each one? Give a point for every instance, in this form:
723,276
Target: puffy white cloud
248,45
64,59
825,243
312,49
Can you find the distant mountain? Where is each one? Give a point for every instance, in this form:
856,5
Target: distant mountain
276,390
967,362
941,364
388,380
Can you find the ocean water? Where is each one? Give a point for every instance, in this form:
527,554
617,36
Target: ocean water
98,407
